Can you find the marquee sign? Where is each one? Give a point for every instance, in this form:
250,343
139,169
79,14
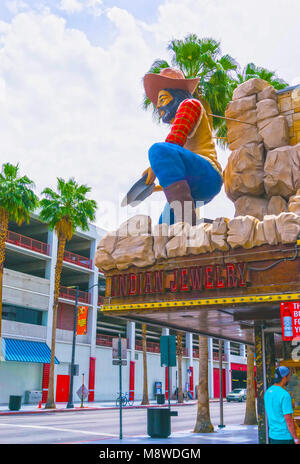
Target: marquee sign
184,279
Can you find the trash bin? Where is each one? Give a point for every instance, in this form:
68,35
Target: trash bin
159,422
15,402
160,398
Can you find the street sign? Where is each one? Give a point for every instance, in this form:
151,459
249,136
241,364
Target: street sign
168,350
115,351
82,392
75,369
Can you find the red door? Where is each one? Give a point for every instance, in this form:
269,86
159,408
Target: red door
217,383
62,388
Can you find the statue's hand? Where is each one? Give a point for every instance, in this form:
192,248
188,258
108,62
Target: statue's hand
150,176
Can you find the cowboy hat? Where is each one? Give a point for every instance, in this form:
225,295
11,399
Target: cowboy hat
168,78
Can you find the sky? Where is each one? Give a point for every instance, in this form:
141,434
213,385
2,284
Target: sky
71,84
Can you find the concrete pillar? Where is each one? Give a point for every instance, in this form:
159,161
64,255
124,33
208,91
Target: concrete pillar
228,366
92,313
189,346
50,274
259,342
210,368
130,333
270,358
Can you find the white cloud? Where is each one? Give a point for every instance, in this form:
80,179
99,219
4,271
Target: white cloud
72,109
16,6
77,6
71,6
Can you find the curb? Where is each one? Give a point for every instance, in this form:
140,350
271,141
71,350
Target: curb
101,408
88,408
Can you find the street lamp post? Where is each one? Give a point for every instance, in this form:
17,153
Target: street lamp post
70,402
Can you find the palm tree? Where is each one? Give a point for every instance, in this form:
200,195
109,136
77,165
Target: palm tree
64,212
17,201
251,70
203,422
250,415
202,58
145,399
179,354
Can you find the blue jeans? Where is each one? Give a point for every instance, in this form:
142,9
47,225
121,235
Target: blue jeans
172,163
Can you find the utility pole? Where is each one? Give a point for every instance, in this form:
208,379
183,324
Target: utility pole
120,383
221,383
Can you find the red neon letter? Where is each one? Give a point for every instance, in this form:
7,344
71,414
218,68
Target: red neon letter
148,283
219,282
231,278
208,283
159,281
132,284
196,278
242,271
183,280
173,283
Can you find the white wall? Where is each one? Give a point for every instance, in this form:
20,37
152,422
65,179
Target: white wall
25,290
17,377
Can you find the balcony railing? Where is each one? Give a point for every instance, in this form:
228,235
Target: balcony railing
70,293
104,340
151,346
78,260
215,355
27,242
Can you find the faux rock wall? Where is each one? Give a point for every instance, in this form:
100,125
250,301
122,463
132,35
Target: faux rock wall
142,247
262,172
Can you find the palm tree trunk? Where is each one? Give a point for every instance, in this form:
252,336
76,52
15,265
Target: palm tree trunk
4,217
179,354
145,399
250,415
50,404
203,423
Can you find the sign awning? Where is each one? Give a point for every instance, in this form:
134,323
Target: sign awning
26,351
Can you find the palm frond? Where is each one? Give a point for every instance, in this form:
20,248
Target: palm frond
17,197
67,209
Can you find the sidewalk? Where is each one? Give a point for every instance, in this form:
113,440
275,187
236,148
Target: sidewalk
230,435
91,406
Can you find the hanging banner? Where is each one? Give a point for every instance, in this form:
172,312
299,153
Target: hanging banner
290,320
82,320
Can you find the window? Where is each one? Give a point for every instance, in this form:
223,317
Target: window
20,314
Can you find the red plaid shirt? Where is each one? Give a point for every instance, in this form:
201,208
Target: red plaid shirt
186,117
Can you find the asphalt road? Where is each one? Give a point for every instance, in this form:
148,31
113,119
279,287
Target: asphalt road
94,426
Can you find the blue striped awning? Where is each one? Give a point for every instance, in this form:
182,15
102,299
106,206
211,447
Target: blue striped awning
26,351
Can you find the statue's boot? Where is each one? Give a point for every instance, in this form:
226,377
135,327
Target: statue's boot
181,201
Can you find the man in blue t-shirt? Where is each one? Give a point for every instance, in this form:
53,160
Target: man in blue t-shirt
279,409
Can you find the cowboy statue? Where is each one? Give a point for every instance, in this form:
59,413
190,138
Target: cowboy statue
186,164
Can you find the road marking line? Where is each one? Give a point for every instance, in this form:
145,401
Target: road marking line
61,430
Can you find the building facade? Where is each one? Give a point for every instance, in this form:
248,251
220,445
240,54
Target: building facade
28,285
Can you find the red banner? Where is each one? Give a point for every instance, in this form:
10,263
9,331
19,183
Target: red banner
290,320
82,320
